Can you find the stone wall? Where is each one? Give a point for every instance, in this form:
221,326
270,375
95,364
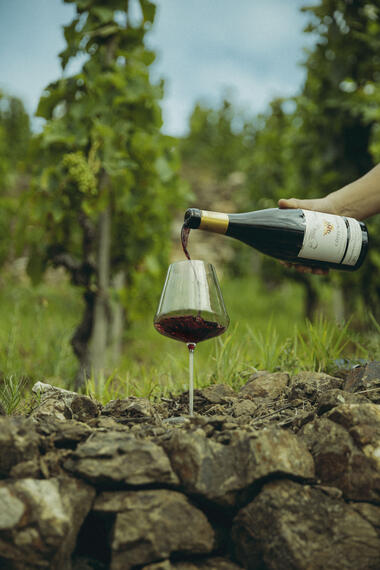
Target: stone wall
284,475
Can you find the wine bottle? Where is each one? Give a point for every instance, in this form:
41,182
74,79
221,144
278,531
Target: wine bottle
297,236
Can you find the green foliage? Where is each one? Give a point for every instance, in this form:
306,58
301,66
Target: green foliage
15,134
308,145
13,397
217,139
38,322
14,148
323,342
229,363
36,326
104,124
102,153
339,114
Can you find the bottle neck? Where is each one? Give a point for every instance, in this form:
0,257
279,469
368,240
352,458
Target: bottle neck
214,222
203,219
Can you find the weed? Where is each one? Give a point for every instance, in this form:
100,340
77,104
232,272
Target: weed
12,393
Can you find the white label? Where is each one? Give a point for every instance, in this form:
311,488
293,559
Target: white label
326,238
355,242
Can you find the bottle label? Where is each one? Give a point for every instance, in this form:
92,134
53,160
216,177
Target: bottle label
331,238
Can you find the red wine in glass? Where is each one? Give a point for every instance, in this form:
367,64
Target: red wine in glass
191,308
189,329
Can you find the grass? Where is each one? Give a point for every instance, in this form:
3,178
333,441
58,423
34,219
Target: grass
267,332
36,327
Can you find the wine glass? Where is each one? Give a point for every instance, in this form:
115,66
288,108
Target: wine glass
191,308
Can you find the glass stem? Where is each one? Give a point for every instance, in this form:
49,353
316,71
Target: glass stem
191,347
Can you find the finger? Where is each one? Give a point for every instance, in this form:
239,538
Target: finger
303,269
319,271
288,203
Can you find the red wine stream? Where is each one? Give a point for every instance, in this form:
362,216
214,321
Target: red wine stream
184,239
185,232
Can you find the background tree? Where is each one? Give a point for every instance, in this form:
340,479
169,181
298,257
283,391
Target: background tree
339,111
102,203
307,145
15,137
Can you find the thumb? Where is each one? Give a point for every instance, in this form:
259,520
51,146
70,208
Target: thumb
289,203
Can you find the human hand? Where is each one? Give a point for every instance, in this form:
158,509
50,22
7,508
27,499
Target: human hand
325,205
305,268
317,205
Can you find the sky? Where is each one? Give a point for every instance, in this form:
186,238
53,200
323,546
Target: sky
252,49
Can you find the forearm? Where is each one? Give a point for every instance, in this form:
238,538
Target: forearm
360,199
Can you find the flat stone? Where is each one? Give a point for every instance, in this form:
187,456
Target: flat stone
266,385
243,408
11,510
132,408
62,432
335,397
290,526
153,525
366,380
40,521
345,444
218,393
116,457
308,385
26,469
214,563
219,471
87,563
18,443
84,408
63,404
369,512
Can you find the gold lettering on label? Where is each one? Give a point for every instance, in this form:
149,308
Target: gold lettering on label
327,227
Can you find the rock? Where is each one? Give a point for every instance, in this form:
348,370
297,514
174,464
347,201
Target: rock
218,393
130,408
335,397
62,433
84,408
18,444
26,469
294,527
214,563
308,385
362,422
115,457
40,521
243,408
266,385
168,492
365,379
52,462
86,563
370,513
153,525
107,423
345,444
63,404
218,471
